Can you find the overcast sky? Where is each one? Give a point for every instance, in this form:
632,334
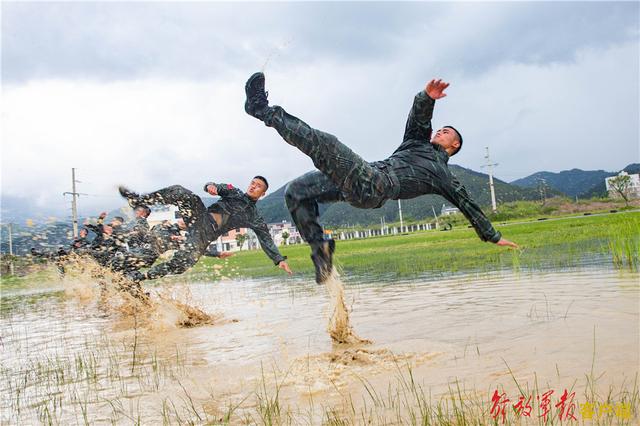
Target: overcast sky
151,94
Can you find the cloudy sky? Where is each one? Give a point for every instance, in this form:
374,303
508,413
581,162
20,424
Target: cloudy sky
151,94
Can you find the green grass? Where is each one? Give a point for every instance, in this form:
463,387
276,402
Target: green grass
544,244
548,244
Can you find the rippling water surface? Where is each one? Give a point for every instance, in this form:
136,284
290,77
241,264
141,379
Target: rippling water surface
549,328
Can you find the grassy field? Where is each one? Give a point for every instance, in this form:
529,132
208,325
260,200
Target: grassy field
545,244
116,375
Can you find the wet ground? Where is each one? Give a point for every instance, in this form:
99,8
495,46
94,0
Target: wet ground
557,330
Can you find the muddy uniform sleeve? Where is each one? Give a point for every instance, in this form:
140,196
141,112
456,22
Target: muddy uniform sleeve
95,228
457,194
98,230
266,242
139,235
419,121
224,189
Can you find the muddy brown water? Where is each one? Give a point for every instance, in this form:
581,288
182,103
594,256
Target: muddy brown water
549,328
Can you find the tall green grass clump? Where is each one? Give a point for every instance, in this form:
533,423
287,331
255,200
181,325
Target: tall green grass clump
624,245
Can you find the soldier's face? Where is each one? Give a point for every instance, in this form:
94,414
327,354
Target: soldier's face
141,212
446,138
256,189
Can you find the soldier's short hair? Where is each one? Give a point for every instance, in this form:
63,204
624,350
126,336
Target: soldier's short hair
459,138
264,179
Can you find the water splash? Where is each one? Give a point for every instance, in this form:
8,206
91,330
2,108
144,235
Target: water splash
339,326
88,282
275,52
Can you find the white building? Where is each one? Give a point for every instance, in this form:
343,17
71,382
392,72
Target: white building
278,228
634,187
161,213
446,210
229,242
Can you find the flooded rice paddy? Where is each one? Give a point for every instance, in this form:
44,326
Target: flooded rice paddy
68,357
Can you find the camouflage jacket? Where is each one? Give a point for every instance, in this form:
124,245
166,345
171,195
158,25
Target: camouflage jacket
422,168
237,210
138,235
162,234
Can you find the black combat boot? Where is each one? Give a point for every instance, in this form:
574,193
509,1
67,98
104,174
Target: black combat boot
256,104
133,198
322,257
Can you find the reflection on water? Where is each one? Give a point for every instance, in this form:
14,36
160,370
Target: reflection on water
552,328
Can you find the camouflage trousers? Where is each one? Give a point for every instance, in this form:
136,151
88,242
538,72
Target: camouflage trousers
342,175
201,229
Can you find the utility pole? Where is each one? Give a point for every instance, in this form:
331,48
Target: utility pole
542,189
490,165
400,214
435,216
11,270
74,204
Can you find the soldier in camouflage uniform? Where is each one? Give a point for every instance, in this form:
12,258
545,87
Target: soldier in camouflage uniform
169,236
235,209
141,246
417,167
107,241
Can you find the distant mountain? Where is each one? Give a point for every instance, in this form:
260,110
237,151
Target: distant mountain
600,188
571,182
46,237
273,207
45,233
15,209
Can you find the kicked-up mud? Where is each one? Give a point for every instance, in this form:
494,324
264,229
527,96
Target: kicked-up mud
166,308
339,326
262,354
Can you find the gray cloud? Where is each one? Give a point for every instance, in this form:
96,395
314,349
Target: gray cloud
150,94
200,40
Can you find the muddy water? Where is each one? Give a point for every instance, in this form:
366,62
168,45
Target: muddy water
551,328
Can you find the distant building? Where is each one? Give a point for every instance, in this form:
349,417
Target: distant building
161,213
447,210
633,190
278,228
228,241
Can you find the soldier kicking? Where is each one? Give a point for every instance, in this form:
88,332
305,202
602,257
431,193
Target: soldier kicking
417,167
235,209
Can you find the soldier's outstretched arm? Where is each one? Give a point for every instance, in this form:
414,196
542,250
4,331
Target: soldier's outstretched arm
269,247
419,120
219,189
457,194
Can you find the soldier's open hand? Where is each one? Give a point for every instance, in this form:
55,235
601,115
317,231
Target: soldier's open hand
435,89
284,266
506,243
